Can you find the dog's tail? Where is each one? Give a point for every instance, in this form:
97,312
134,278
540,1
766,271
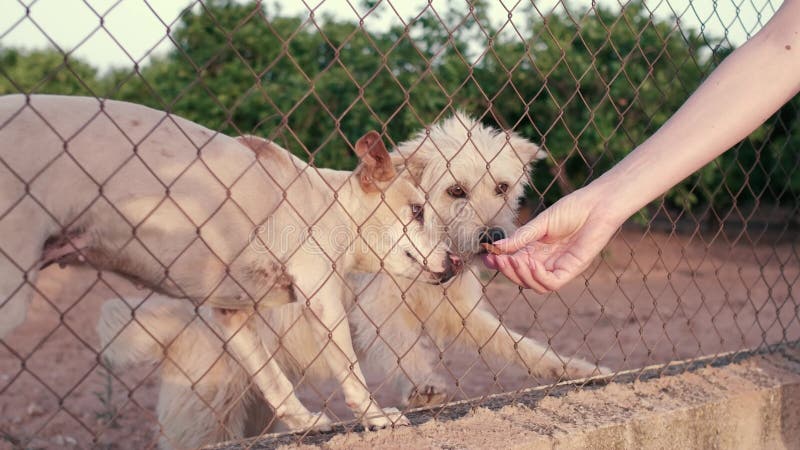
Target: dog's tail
141,334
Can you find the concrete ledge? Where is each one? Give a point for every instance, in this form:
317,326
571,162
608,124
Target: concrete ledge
753,403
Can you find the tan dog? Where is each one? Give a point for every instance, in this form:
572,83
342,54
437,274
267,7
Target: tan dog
194,214
450,164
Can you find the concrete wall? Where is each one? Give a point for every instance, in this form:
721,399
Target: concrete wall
750,404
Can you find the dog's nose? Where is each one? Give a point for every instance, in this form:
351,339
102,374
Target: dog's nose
489,235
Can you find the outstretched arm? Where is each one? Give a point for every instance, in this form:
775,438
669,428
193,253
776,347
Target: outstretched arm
748,87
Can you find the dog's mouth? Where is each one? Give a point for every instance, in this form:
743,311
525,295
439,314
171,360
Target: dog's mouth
452,265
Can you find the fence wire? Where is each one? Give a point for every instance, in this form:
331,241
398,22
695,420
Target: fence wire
276,274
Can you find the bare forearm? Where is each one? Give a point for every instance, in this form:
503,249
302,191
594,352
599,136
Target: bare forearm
748,87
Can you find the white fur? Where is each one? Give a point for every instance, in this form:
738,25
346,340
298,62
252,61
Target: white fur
466,146
180,211
457,151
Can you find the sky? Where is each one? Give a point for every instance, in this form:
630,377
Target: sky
117,33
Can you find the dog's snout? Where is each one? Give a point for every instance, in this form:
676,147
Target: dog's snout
452,266
490,235
454,262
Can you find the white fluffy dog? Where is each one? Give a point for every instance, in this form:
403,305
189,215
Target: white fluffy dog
177,208
473,176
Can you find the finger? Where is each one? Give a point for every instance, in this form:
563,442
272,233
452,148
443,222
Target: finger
530,232
551,279
508,270
524,271
501,262
530,276
490,261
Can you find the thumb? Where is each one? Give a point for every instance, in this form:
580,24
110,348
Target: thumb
530,232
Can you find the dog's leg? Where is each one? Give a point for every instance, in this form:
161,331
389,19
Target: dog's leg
131,334
203,398
23,230
202,404
246,348
330,314
16,291
397,347
418,382
461,318
484,331
195,412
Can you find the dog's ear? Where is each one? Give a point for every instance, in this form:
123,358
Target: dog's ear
526,150
376,164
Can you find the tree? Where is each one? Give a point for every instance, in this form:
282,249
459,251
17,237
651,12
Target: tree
589,85
45,71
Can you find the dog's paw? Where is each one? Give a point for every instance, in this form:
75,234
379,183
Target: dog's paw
315,421
583,369
603,370
388,417
427,395
577,368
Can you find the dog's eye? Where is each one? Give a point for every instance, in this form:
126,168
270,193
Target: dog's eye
417,212
456,191
501,189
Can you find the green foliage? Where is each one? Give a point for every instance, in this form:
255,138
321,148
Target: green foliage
45,71
763,168
589,86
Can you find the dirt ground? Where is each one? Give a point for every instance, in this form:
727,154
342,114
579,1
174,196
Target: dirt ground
652,298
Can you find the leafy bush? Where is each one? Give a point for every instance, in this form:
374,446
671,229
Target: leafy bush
588,86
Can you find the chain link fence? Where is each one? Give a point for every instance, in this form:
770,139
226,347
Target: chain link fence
286,297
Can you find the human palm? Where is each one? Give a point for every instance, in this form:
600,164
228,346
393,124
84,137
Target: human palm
557,245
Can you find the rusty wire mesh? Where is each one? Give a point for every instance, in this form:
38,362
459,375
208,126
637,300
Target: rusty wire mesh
709,269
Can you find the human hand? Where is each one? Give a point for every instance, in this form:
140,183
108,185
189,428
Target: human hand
740,94
558,244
